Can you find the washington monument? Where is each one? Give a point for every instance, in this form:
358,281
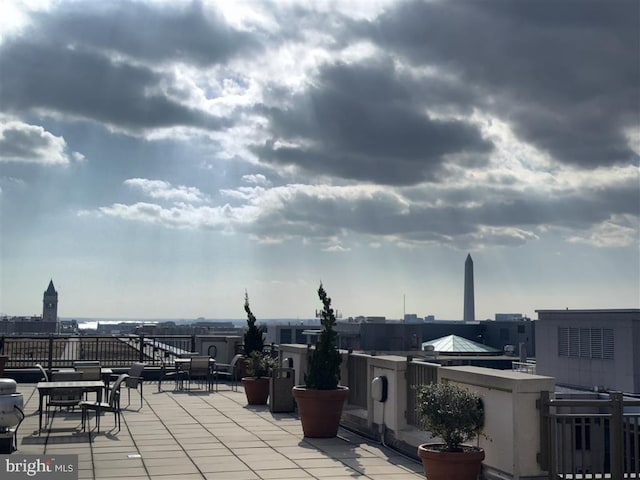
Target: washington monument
469,302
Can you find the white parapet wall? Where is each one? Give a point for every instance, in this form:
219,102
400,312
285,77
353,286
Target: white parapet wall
512,421
391,412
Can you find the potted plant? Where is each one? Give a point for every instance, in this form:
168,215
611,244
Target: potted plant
321,399
455,415
3,358
256,383
257,364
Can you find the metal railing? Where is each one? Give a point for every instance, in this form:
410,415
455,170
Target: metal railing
590,438
357,366
524,367
418,373
58,351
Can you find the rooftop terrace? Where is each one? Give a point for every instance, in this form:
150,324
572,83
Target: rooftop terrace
205,435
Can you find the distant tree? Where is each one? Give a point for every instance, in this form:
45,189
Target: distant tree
253,341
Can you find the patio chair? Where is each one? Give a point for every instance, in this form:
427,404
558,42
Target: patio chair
88,372
199,367
111,405
170,371
44,376
43,372
228,370
134,380
64,398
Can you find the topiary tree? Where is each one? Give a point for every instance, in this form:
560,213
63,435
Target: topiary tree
450,412
324,364
253,341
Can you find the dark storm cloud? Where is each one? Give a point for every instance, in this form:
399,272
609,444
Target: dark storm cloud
566,75
180,32
452,216
365,122
90,86
99,61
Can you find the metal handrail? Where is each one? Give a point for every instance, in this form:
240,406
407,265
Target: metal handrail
604,442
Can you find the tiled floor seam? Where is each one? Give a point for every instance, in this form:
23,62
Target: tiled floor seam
186,452
303,440
212,433
242,427
133,439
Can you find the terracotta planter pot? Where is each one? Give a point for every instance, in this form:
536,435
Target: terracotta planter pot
3,362
256,390
441,465
320,410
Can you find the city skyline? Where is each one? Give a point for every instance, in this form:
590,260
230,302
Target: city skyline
157,159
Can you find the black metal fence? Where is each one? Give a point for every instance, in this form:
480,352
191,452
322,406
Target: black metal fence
590,437
57,351
358,366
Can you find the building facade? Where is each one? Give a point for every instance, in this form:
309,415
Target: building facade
590,349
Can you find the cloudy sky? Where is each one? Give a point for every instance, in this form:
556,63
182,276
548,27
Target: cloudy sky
159,158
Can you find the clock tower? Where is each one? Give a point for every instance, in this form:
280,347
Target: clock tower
50,304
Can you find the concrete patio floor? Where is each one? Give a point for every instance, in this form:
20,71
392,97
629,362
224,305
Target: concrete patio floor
205,435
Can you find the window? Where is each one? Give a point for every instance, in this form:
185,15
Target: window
563,341
574,341
520,328
300,336
607,343
595,343
585,343
285,335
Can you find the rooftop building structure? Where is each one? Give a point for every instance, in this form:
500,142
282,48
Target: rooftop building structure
590,349
455,345
26,326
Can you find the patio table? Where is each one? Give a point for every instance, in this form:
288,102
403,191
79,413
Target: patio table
105,375
45,388
180,366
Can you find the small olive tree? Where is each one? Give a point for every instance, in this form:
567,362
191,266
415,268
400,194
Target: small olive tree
324,365
450,412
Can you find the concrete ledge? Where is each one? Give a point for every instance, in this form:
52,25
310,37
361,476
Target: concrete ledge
512,420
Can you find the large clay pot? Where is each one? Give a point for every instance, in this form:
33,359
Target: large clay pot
443,465
256,390
320,410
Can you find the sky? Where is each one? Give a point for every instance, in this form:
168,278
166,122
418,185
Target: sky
158,159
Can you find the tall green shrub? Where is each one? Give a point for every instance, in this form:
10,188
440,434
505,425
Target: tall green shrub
253,341
324,364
